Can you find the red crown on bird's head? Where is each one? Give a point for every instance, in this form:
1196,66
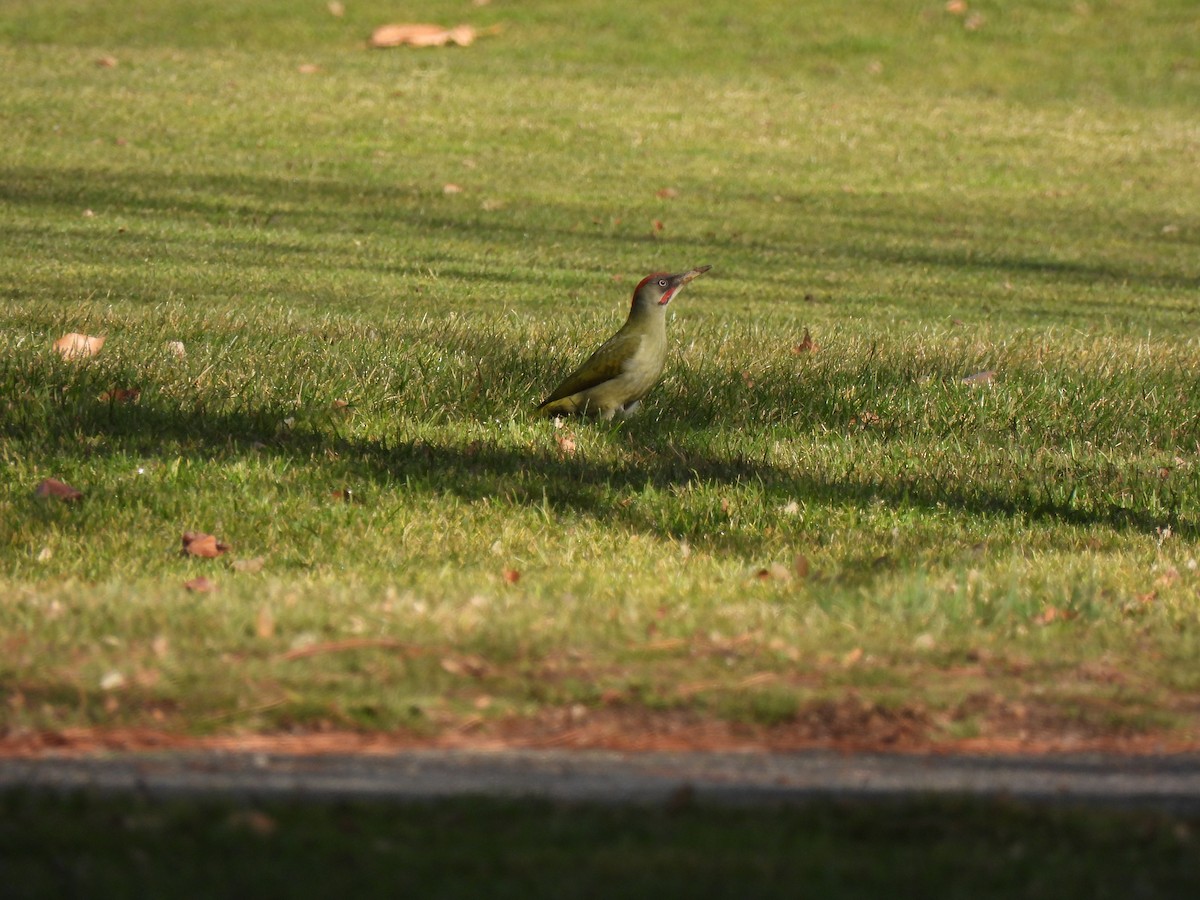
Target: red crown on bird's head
641,284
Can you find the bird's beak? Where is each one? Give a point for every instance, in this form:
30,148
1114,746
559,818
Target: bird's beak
684,277
678,281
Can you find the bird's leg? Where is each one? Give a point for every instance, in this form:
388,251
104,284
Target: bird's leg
630,409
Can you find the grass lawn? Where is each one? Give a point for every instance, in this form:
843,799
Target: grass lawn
378,262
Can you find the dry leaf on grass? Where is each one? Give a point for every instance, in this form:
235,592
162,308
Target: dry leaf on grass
200,585
254,821
78,346
161,645
1052,614
59,490
566,444
774,572
308,68
452,188
800,566
264,623
421,35
121,395
667,193
106,62
206,546
512,576
806,345
177,348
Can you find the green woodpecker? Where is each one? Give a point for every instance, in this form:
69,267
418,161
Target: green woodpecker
615,378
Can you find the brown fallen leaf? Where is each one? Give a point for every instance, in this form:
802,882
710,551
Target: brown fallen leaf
161,645
264,623
800,566
121,395
206,546
852,657
422,35
806,345
512,576
566,444
452,188
200,585
658,225
1052,614
59,490
1167,578
667,193
78,346
106,62
308,68
254,821
773,572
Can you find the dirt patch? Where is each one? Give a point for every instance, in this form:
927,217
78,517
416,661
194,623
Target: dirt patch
849,724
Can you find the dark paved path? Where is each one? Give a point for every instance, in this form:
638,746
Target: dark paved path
1166,782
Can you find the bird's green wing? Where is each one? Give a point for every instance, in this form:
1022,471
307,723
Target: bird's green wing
603,365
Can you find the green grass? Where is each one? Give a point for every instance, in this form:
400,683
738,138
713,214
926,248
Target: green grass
929,200
118,847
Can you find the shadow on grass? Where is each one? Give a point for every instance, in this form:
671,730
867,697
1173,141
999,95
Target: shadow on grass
658,455
282,206
661,453
87,844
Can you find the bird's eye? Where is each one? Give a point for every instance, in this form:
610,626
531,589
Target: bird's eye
662,282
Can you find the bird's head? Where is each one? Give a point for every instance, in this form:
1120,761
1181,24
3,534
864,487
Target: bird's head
658,289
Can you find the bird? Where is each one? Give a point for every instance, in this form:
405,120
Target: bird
614,379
